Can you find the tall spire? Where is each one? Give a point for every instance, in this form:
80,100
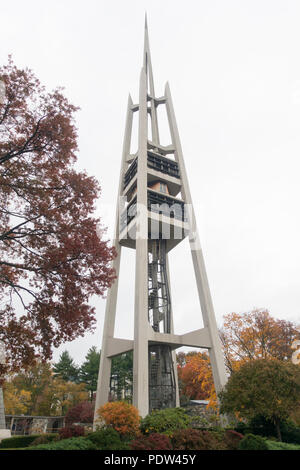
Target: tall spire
147,66
147,59
157,215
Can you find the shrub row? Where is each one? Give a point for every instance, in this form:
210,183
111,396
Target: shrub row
16,442
255,442
75,443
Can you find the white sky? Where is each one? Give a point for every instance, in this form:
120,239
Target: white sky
234,72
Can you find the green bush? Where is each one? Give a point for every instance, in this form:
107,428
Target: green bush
107,439
290,433
252,442
75,443
18,441
273,445
259,425
165,421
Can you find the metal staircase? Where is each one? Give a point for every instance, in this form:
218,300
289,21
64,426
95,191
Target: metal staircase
161,367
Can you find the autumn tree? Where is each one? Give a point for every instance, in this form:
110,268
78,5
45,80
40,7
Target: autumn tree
82,412
263,387
17,401
37,391
255,335
195,376
51,258
66,368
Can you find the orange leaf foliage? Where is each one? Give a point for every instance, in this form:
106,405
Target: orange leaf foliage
256,335
123,417
195,376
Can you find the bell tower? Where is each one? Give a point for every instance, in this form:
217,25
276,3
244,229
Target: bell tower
153,215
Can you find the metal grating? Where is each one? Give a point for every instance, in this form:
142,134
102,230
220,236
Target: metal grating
163,164
155,161
162,391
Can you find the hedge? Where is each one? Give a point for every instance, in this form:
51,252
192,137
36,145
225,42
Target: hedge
17,441
275,445
75,443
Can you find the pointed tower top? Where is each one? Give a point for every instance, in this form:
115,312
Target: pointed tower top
146,43
147,58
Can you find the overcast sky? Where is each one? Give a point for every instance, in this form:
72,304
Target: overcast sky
234,73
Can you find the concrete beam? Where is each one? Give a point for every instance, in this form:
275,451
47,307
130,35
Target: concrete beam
195,339
116,346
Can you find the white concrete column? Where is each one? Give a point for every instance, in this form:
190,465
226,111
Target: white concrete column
215,353
111,303
140,352
172,332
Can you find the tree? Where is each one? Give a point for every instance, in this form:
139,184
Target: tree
122,376
51,258
265,387
255,335
195,377
17,402
88,372
39,392
61,396
65,368
83,412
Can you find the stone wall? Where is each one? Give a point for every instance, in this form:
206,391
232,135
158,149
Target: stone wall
202,416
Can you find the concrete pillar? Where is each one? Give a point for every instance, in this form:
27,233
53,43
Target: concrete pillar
140,351
111,303
215,353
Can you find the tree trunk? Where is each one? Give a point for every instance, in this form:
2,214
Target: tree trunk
277,425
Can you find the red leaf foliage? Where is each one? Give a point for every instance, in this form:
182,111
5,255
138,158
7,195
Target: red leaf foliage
83,412
51,259
154,441
71,431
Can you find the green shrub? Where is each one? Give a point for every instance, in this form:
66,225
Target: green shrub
252,442
165,421
75,443
290,432
259,425
154,441
107,439
273,445
18,441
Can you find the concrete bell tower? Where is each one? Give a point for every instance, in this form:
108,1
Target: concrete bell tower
155,214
